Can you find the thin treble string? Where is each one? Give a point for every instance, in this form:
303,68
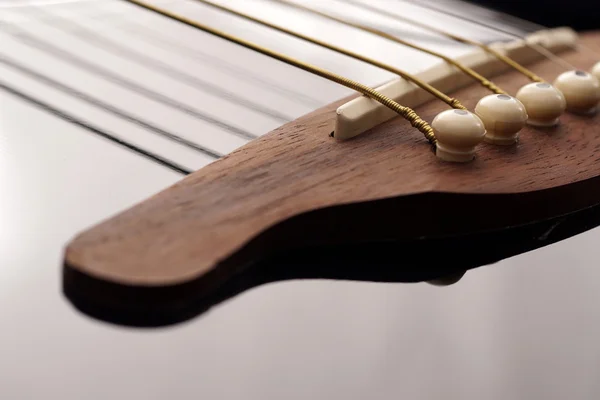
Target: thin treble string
107,74
538,27
534,46
587,48
422,84
406,112
507,60
129,52
516,21
93,129
469,71
105,106
147,34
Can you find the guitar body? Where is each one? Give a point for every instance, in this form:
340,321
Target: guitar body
151,175
300,204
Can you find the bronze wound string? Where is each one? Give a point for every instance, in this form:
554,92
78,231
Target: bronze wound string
406,112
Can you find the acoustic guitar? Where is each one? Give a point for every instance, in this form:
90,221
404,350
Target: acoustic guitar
466,144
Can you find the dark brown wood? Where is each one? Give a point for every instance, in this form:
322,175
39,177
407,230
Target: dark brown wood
297,188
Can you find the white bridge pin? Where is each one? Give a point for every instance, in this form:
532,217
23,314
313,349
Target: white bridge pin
503,116
581,90
458,132
544,103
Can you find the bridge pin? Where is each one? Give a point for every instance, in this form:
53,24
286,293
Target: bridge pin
458,132
544,103
581,90
503,116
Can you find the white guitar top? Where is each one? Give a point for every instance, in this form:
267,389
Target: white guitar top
103,104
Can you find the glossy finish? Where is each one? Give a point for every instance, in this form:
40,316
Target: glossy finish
524,328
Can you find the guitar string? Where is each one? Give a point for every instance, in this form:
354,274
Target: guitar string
134,28
105,106
452,102
477,11
129,52
534,46
534,27
468,71
61,54
95,130
141,123
507,60
406,112
516,21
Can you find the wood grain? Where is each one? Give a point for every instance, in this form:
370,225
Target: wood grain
296,187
